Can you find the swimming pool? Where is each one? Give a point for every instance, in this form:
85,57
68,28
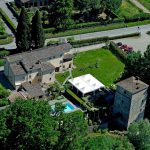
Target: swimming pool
69,107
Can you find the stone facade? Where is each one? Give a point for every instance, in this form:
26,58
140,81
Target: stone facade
38,66
130,101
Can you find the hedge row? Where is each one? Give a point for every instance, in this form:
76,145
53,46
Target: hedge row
86,42
138,17
98,40
4,36
4,53
6,41
7,20
9,5
117,51
125,36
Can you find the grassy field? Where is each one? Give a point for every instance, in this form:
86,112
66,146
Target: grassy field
146,3
127,9
101,63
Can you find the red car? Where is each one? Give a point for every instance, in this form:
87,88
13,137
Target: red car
130,49
124,46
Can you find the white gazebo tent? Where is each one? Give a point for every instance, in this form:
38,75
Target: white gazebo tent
86,84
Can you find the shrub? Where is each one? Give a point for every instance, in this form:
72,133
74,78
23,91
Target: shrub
4,53
125,36
4,102
52,42
117,51
87,42
49,30
70,39
118,20
4,93
1,62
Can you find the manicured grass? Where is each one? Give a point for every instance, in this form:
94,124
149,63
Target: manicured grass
145,3
128,9
6,41
101,63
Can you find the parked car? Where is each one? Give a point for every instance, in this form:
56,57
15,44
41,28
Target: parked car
130,49
124,46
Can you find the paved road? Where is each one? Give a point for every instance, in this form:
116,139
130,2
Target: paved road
143,29
139,5
110,33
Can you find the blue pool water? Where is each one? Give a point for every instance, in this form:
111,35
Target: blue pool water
69,107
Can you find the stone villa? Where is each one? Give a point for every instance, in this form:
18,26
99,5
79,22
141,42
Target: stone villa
130,101
38,66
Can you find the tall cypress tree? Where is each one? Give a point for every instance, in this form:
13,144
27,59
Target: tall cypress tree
23,36
37,33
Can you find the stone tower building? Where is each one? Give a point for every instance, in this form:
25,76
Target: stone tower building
130,101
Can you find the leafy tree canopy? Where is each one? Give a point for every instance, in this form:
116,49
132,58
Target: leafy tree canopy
139,135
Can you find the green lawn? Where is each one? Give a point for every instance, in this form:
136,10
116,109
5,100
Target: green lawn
127,9
146,3
101,63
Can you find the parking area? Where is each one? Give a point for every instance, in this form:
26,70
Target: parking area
138,43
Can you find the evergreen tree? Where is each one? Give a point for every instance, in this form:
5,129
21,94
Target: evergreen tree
61,13
23,36
37,31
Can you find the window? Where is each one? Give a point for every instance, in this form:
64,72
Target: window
50,79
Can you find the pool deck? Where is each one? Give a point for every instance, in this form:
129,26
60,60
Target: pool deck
63,100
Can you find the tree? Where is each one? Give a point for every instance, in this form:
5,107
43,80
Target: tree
61,14
134,64
82,5
139,135
27,124
37,33
23,36
146,65
73,129
112,5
